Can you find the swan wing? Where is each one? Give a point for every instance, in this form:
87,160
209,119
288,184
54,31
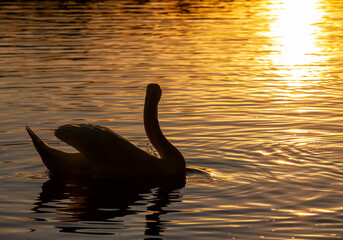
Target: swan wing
99,144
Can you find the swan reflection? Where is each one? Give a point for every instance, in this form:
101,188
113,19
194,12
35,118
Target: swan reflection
100,207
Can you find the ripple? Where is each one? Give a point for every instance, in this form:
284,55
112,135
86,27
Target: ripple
251,97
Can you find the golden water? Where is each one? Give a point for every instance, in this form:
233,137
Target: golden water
252,94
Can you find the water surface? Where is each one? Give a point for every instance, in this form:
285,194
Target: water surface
252,94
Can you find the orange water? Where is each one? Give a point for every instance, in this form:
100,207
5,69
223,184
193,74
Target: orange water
252,94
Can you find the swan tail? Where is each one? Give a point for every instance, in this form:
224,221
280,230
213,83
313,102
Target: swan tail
58,162
37,142
48,154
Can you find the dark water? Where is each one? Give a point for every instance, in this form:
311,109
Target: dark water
252,94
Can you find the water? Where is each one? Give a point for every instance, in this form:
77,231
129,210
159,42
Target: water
252,95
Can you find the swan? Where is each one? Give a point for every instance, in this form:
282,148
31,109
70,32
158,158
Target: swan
103,154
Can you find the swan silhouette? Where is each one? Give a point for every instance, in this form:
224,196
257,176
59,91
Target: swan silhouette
104,154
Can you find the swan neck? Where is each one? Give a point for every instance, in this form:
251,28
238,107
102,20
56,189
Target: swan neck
154,133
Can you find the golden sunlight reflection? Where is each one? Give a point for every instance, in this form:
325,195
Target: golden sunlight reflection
298,212
283,162
305,214
294,32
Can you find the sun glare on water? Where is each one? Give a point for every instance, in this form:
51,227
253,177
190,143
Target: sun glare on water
294,32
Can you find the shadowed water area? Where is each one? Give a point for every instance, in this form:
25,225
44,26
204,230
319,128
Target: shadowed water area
252,97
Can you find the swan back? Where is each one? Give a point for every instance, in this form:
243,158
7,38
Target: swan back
100,144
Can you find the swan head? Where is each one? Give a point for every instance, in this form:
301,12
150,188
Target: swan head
153,93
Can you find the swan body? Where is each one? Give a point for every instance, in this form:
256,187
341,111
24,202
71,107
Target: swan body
104,154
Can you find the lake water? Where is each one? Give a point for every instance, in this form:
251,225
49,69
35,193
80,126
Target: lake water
252,95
